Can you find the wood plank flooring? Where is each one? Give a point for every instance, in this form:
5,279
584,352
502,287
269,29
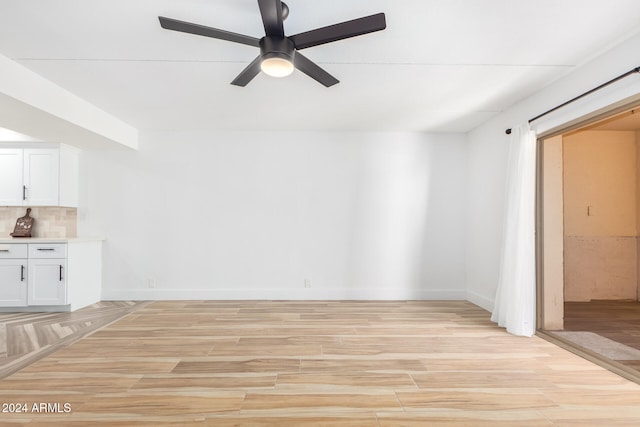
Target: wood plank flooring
616,320
27,337
335,364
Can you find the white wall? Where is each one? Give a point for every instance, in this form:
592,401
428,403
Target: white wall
252,215
488,147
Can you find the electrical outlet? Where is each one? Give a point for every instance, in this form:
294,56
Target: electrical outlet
307,283
151,282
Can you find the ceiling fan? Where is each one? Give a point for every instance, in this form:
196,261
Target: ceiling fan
279,53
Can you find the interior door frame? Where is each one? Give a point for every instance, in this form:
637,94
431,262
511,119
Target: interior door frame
547,322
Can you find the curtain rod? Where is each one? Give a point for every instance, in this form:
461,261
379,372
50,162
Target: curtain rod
603,85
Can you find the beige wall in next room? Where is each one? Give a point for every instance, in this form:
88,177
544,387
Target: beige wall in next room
600,215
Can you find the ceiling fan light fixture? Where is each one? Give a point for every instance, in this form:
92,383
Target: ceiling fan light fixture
276,56
275,65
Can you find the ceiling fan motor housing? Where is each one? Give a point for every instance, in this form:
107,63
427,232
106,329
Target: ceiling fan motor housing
277,47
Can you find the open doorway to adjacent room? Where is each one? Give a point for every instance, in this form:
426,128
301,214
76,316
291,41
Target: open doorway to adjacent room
589,248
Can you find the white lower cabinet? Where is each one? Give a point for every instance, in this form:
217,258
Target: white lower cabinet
35,275
13,282
47,282
13,275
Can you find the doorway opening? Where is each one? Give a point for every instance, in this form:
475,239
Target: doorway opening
589,245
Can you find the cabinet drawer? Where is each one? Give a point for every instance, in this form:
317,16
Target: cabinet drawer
47,250
12,250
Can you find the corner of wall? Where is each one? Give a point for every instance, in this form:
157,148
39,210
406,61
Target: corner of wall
480,300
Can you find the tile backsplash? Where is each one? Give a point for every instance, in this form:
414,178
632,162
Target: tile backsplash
50,221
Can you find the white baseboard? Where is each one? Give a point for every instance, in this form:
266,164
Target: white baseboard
480,300
279,294
37,309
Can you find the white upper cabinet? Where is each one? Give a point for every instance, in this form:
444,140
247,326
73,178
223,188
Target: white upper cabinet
69,170
39,176
11,176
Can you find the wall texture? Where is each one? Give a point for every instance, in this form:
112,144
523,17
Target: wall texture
252,215
600,183
600,218
600,268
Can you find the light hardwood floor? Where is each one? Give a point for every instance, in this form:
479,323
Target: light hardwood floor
336,364
27,337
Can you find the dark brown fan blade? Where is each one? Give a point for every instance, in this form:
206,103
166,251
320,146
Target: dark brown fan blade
271,11
201,30
248,73
344,30
312,70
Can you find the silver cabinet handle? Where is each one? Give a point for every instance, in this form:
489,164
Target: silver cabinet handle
24,192
46,249
22,273
61,273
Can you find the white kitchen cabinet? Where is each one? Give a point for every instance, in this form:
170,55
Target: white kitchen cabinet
11,176
47,283
68,183
41,177
46,175
50,276
13,275
13,285
47,274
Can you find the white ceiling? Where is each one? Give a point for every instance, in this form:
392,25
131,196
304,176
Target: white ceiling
440,66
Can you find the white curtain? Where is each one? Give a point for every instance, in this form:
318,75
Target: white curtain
515,303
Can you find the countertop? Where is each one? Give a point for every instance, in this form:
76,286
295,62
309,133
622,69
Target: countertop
9,239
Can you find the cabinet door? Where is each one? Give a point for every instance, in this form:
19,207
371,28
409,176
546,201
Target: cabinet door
13,282
11,175
69,169
41,176
47,282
